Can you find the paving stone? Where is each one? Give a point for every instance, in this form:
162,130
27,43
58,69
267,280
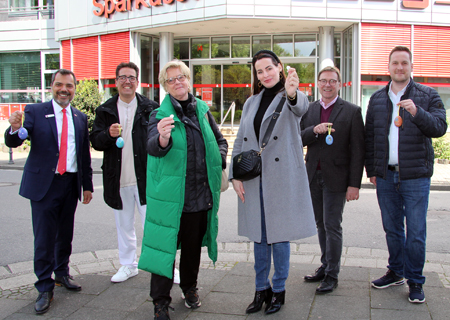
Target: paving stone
433,267
354,251
93,284
130,298
383,314
380,253
338,307
95,267
18,267
359,262
18,281
301,258
77,258
9,306
107,254
309,248
236,247
198,315
4,271
230,256
95,313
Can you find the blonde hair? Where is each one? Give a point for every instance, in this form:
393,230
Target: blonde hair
332,69
176,64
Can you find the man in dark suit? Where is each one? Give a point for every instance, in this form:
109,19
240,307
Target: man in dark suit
58,166
333,131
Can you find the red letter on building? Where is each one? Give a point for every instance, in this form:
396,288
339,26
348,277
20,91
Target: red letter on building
139,2
121,5
416,4
98,5
109,7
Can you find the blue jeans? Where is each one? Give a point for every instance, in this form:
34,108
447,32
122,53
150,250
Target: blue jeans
263,254
400,200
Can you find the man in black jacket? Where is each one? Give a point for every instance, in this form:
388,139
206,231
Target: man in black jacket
401,120
334,169
120,131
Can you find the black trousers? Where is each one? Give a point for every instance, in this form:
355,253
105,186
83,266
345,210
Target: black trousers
53,222
190,236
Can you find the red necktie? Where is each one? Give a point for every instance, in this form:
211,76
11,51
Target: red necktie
62,162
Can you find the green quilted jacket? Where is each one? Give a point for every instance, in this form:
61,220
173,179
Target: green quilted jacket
165,194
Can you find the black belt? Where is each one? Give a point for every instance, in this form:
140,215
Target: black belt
393,168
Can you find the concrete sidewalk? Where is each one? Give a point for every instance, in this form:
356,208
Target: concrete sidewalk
227,288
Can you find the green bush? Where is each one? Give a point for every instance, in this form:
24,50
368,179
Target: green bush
441,148
87,99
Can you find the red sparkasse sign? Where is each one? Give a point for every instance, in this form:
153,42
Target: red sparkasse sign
108,7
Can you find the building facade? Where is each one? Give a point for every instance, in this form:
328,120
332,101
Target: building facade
217,38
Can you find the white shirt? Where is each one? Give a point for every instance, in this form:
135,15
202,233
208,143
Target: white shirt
127,112
71,165
326,106
393,131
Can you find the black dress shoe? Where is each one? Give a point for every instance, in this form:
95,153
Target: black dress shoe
67,282
327,285
260,298
317,276
43,302
275,304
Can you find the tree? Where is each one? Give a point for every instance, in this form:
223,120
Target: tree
87,99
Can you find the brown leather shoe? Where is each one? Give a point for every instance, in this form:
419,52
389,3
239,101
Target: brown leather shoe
317,276
43,302
67,282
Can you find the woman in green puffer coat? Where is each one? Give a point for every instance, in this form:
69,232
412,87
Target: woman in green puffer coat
187,153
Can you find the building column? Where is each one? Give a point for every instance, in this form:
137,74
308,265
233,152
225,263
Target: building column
326,47
165,55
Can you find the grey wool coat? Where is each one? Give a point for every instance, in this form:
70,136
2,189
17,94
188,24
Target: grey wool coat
287,201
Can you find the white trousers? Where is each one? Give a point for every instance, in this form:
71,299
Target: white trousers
126,233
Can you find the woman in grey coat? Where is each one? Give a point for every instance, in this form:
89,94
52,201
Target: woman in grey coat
275,207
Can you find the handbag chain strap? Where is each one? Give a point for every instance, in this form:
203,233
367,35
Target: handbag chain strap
275,116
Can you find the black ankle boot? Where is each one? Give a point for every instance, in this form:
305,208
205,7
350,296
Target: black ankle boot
260,298
275,304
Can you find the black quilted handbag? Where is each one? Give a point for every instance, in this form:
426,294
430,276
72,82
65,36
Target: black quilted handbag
247,165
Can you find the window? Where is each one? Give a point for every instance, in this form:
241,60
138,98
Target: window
200,48
305,45
52,61
261,43
23,5
181,49
240,47
283,46
220,47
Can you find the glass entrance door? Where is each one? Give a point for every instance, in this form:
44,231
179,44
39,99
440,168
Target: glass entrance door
221,84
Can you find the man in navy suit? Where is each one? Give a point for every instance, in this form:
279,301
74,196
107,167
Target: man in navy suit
333,131
58,166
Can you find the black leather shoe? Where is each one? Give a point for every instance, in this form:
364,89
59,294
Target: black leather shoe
276,303
327,285
317,276
67,282
260,298
43,302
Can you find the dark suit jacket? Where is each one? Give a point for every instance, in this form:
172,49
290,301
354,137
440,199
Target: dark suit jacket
342,162
40,167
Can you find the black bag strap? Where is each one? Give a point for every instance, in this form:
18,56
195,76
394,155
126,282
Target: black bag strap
275,116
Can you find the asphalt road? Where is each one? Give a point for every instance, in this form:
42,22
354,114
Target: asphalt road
95,225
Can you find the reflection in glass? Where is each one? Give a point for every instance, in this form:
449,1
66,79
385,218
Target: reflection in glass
146,66
52,61
155,69
240,47
237,86
305,73
305,45
282,45
207,83
261,43
199,48
181,49
220,47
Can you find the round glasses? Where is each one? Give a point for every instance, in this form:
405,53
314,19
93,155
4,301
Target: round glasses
180,78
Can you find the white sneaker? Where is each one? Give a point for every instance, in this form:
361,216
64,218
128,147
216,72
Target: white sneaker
176,276
124,273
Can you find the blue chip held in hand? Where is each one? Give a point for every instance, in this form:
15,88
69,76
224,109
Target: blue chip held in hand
119,142
23,133
329,139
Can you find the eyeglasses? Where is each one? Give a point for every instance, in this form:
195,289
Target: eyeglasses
180,78
332,82
124,79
